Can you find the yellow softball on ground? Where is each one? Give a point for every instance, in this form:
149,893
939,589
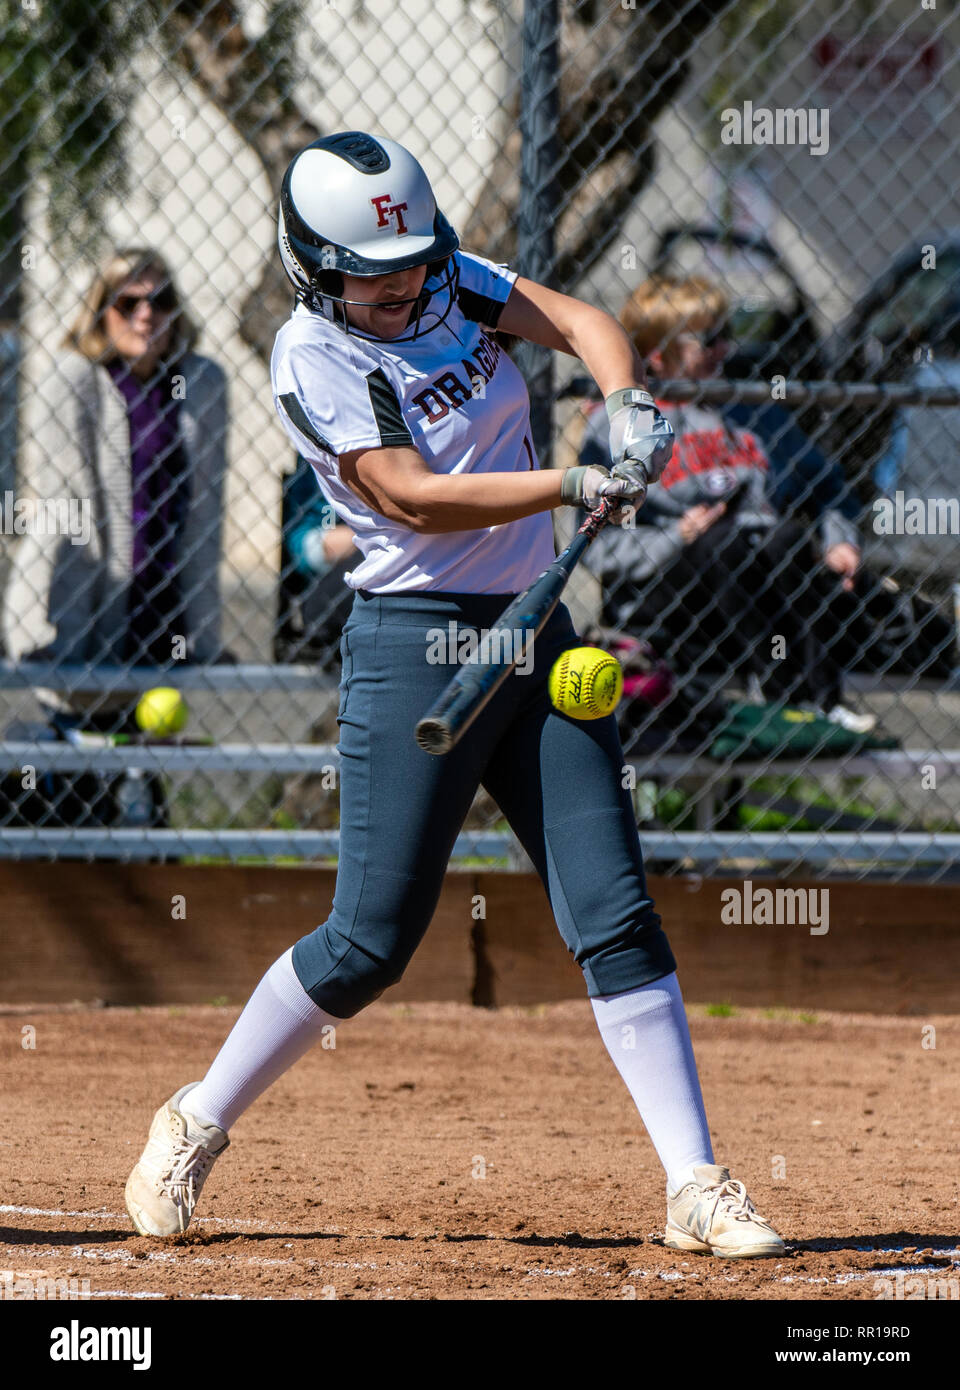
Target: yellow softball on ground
586,683
162,711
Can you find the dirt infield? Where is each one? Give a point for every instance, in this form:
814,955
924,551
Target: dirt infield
444,1151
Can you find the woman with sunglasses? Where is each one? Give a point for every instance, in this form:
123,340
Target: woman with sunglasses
131,435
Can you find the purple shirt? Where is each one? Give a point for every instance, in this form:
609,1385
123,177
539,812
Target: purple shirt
159,490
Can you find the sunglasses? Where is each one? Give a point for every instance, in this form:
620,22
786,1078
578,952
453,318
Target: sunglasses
163,299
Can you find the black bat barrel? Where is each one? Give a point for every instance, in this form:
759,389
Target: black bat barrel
473,687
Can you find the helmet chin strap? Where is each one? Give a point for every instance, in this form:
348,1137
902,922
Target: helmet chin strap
334,307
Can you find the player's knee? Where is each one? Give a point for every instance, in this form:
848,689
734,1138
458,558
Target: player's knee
342,976
345,994
627,957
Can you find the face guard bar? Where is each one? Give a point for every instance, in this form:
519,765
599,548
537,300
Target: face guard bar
420,323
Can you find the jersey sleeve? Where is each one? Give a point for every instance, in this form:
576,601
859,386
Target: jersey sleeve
483,289
331,398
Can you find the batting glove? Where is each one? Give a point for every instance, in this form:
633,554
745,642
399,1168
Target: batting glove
638,434
588,485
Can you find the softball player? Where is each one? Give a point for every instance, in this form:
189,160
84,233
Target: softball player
388,377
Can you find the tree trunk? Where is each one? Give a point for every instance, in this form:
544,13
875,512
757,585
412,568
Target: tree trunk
620,68
255,96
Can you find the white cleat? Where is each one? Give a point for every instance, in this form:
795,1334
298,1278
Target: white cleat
714,1216
163,1189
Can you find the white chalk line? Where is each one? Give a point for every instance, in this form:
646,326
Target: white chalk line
123,1293
104,1215
953,1252
156,1294
179,1257
861,1275
671,1275
82,1252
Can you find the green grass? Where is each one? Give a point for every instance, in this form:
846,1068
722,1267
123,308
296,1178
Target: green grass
674,809
720,1011
195,804
753,814
783,1015
480,861
273,861
758,819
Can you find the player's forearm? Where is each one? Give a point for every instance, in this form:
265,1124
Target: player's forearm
468,501
398,484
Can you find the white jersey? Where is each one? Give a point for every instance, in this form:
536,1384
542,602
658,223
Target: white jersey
454,395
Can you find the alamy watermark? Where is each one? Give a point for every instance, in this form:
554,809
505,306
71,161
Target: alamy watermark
749,906
29,1288
46,516
780,125
81,1343
917,1288
916,516
454,645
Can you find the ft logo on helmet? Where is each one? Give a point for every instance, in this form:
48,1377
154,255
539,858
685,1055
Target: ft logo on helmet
386,210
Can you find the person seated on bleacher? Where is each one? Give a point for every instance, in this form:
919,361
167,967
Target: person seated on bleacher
132,423
132,430
711,574
802,482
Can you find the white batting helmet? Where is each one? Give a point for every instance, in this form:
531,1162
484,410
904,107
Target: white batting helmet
351,203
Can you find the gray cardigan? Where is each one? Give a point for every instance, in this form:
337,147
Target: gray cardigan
67,602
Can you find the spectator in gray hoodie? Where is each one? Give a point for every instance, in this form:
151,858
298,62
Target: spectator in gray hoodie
711,574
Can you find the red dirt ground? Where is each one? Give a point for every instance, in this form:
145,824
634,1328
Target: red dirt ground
354,1177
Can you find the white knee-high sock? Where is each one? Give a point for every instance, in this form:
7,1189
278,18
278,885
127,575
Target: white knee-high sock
645,1031
279,1024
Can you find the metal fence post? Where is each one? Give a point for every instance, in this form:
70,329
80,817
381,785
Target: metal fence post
537,210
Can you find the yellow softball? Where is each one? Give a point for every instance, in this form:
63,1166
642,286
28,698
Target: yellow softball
162,711
586,683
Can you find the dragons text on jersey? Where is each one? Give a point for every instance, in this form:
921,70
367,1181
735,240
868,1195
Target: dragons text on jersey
452,394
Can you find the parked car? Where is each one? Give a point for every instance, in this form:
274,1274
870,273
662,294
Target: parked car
907,321
770,323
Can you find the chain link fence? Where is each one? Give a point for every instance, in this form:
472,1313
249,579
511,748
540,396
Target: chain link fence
767,193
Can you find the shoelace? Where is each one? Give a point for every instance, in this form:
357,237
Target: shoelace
179,1173
733,1195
